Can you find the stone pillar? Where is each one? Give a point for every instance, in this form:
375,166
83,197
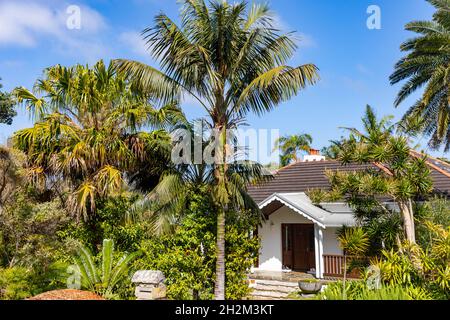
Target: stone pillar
149,285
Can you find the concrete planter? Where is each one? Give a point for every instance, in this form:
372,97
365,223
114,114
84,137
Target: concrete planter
310,287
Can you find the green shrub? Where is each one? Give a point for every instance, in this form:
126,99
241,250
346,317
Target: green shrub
108,223
436,211
358,290
422,268
15,283
187,257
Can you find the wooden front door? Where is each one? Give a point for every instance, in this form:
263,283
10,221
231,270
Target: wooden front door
298,246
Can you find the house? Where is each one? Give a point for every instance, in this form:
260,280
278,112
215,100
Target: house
300,236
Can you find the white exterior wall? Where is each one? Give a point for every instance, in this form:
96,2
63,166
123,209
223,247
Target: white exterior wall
330,242
270,258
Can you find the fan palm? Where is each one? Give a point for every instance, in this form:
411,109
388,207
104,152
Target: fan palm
291,146
428,64
103,279
232,61
86,141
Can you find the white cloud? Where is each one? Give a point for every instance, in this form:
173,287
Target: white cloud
91,20
134,42
29,24
363,69
12,63
303,40
21,22
354,84
279,23
306,41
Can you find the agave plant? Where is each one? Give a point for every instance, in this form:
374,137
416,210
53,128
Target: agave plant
102,279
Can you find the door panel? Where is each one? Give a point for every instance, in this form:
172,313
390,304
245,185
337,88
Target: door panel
298,246
286,231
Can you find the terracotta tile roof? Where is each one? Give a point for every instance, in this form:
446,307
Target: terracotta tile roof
304,176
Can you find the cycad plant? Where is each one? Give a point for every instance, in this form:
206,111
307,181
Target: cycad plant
233,61
427,64
102,279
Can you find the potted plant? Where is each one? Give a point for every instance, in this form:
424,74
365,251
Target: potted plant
310,286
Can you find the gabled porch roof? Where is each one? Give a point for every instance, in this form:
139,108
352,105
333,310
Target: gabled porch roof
301,204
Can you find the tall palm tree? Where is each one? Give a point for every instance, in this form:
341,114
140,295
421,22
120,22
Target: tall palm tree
291,146
428,64
86,141
165,205
232,60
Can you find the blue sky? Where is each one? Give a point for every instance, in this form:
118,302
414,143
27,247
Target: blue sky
354,62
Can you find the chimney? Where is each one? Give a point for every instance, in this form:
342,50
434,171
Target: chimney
313,155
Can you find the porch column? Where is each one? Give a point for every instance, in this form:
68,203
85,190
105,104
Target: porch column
318,239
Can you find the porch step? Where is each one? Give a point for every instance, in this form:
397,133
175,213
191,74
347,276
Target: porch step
272,289
276,283
270,294
261,298
280,288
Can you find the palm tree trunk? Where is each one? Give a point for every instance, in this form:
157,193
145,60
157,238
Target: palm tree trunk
220,173
408,221
219,289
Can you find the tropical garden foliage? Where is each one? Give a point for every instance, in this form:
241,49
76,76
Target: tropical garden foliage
409,245
233,61
89,193
187,256
86,141
400,176
104,278
98,175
